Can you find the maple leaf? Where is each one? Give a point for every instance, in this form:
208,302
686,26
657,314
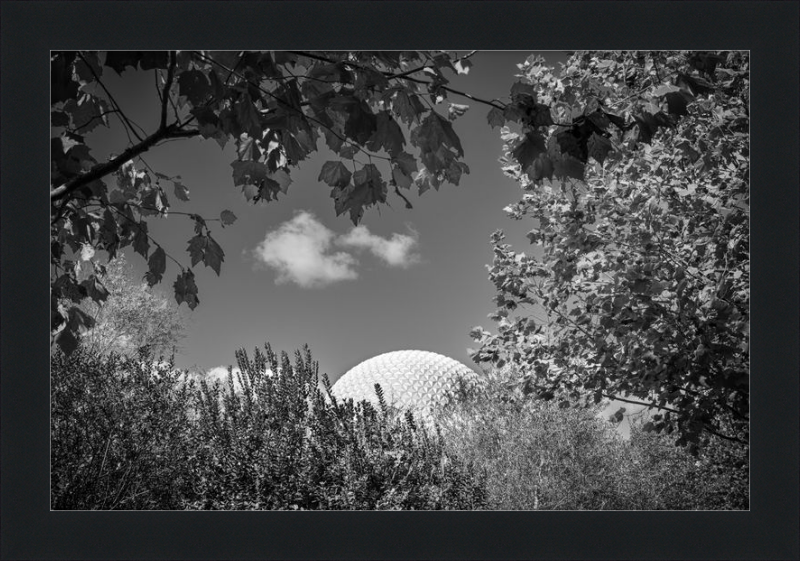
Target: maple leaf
206,249
87,112
194,85
520,91
599,147
678,101
186,289
541,168
149,60
141,243
529,149
401,178
181,191
120,60
335,174
249,173
496,117
227,218
405,162
407,107
282,178
455,110
361,122
462,66
388,135
157,264
95,289
62,86
367,189
433,132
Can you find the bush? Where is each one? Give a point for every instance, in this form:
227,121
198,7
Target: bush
118,432
127,436
540,455
285,443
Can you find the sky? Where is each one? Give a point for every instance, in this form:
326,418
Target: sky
295,273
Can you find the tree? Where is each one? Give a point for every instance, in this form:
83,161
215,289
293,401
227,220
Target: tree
134,317
273,106
640,211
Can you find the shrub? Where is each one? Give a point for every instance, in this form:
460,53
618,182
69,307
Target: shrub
540,455
118,432
283,442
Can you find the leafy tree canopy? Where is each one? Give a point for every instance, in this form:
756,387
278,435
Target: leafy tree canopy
639,289
384,114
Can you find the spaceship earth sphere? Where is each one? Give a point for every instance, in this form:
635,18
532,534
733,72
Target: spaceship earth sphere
419,380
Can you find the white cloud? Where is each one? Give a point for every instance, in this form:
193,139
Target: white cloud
395,251
301,251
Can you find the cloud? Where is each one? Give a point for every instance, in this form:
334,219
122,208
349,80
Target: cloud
301,250
395,251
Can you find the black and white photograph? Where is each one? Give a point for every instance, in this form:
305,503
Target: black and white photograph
400,280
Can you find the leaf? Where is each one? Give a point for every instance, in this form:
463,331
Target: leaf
186,289
361,123
462,66
455,110
194,85
435,132
405,162
157,264
206,249
59,119
149,60
664,89
62,86
95,289
529,149
227,218
599,147
678,102
283,179
67,340
141,243
249,173
520,91
120,60
401,179
181,191
407,107
496,117
367,189
87,252
388,135
335,174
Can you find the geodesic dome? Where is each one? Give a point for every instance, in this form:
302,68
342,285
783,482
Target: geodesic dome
419,380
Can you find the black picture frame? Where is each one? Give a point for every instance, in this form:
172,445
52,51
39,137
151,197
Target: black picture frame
29,530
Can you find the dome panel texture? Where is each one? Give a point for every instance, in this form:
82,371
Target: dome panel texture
419,380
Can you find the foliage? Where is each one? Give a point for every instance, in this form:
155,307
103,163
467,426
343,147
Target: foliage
640,215
284,443
133,316
539,456
123,437
370,108
118,432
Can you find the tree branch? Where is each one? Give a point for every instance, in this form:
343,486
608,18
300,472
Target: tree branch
101,170
405,76
167,86
113,101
